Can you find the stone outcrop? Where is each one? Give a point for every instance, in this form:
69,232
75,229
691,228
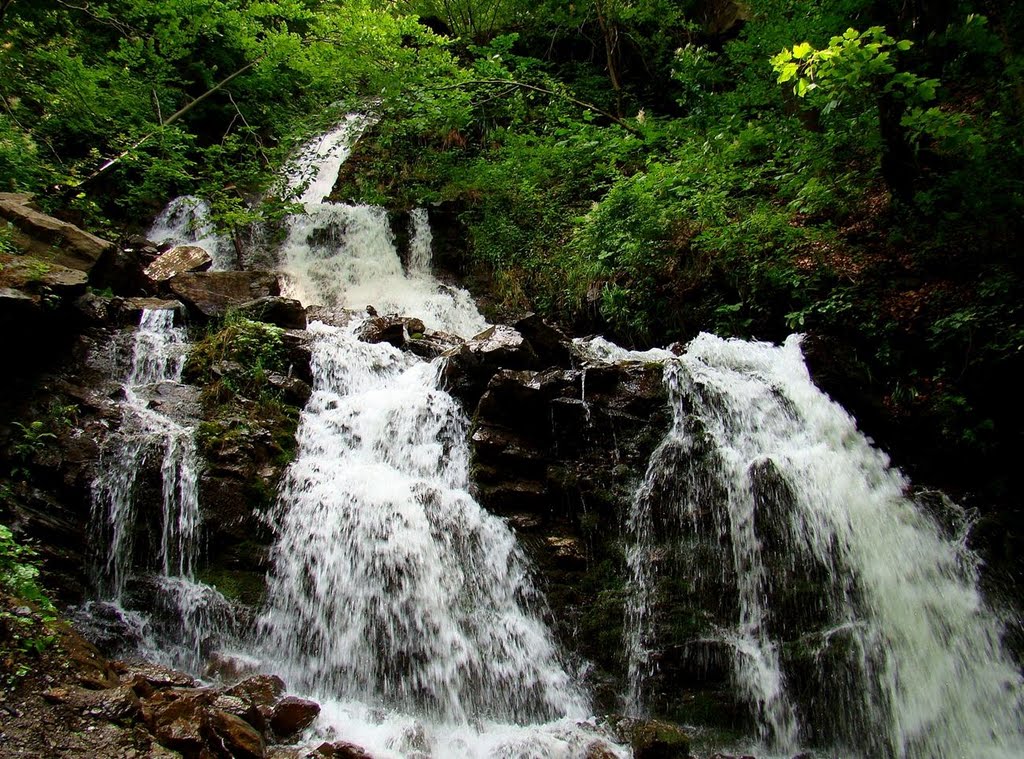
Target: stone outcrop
178,260
286,313
50,239
212,293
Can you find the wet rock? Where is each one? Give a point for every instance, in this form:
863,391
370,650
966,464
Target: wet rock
154,675
293,390
114,704
231,669
431,344
129,310
599,750
212,293
298,352
96,309
182,258
333,317
653,739
470,366
384,329
176,718
241,708
292,714
286,313
550,344
49,238
238,737
260,690
338,750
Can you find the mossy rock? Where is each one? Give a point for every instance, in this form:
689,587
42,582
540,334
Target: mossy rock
653,739
244,587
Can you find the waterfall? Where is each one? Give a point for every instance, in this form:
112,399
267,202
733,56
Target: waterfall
394,597
158,353
908,660
186,221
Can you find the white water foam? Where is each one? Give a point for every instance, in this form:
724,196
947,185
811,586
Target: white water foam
926,674
395,599
186,221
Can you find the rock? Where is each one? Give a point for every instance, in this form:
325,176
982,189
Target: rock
273,309
36,274
333,317
292,714
129,310
298,352
155,675
183,258
653,739
176,718
51,239
241,708
97,309
550,344
212,293
384,329
293,390
241,739
338,750
416,328
114,704
599,750
16,306
231,669
260,690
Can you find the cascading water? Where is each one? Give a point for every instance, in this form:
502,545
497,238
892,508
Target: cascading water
908,658
186,221
158,354
395,598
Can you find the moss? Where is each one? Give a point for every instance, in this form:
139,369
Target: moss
242,586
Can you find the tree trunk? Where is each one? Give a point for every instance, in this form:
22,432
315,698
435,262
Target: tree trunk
610,33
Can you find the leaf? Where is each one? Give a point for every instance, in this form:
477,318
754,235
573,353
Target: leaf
802,50
904,45
788,72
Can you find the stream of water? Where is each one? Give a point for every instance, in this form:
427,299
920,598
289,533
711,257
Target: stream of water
908,657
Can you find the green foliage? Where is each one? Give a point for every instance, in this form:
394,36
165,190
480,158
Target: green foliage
240,352
19,570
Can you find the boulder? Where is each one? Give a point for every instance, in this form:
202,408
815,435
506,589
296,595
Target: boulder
384,329
338,750
114,704
551,345
51,239
238,737
241,708
260,690
176,718
292,714
177,260
653,739
129,310
298,351
212,293
16,306
293,390
273,309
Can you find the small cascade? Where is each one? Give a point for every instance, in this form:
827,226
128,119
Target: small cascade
394,598
421,242
825,561
186,221
119,508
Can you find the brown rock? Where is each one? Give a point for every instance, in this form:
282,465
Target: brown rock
154,675
129,310
49,238
599,750
292,714
176,717
261,690
287,313
236,735
183,258
338,750
212,293
241,708
112,704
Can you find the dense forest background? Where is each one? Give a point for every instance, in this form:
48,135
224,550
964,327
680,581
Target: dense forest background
646,168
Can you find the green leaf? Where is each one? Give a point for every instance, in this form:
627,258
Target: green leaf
904,45
802,50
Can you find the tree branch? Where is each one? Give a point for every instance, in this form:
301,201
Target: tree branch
522,85
170,120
